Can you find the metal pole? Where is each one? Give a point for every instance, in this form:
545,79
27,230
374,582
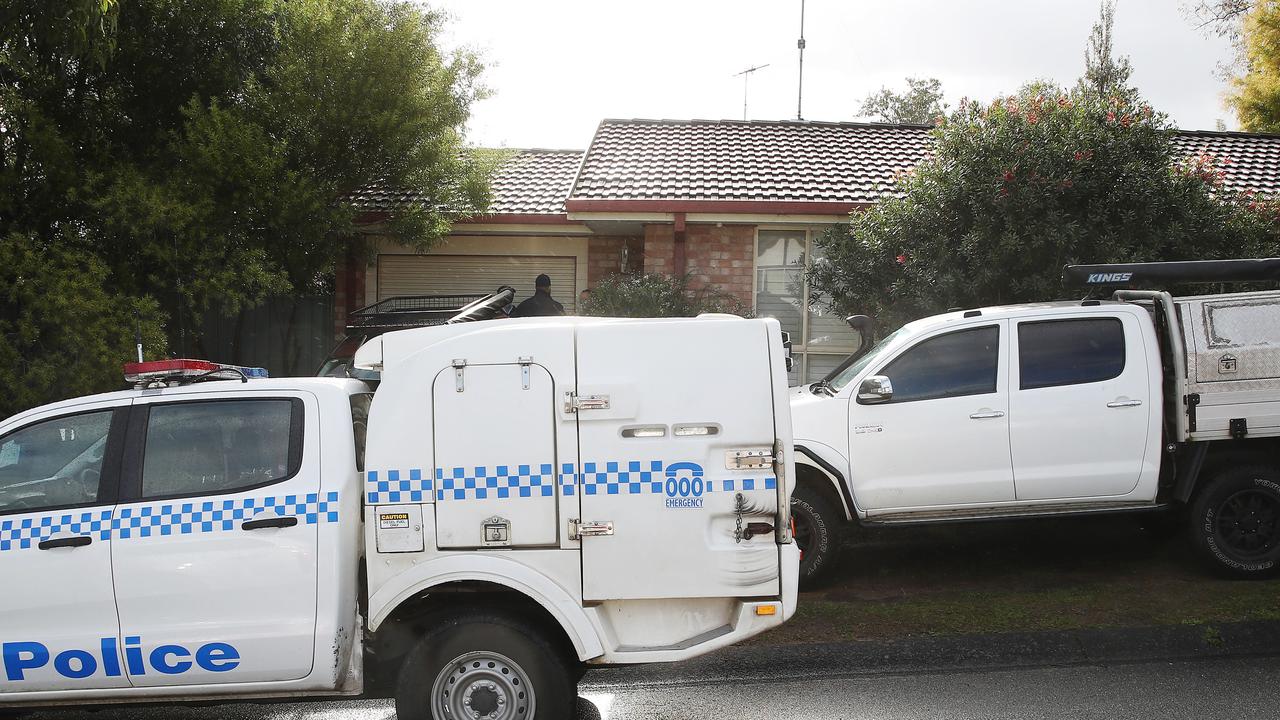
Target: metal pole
800,86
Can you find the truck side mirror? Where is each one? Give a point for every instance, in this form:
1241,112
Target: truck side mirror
875,389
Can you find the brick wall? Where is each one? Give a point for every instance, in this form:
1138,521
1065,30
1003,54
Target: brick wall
659,249
603,257
722,256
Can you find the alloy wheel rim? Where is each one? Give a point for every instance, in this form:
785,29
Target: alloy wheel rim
1247,523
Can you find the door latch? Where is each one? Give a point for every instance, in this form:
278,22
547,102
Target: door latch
573,402
593,528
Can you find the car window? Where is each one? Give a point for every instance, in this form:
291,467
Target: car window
1069,352
54,463
201,448
951,365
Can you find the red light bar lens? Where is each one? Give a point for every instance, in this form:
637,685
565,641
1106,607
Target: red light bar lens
168,366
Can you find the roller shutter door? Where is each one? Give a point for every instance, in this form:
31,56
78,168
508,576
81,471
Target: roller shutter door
448,274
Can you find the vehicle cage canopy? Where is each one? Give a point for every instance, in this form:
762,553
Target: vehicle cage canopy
1172,273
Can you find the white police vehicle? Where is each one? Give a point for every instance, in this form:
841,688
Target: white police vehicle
517,501
1140,403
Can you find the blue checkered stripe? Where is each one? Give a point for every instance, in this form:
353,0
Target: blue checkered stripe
649,477
624,477
180,518
480,482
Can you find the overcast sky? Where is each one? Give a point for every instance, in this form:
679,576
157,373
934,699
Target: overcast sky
557,67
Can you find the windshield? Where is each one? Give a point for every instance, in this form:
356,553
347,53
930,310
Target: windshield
841,376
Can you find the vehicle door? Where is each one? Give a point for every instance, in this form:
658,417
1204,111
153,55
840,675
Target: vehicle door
1080,406
215,556
657,423
942,438
58,481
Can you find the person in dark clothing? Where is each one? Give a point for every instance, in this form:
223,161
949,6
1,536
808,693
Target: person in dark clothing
541,304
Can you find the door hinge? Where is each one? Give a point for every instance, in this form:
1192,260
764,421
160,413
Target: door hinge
594,528
573,402
525,362
1239,427
748,459
458,365
1192,401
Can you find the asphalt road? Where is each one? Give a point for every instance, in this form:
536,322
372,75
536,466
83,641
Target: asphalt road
1196,690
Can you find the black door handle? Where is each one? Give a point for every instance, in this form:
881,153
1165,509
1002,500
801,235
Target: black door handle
273,522
77,541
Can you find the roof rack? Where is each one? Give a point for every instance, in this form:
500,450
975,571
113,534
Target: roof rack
411,310
1183,272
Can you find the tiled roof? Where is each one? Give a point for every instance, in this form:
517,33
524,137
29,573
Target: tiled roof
816,161
1251,162
737,160
528,182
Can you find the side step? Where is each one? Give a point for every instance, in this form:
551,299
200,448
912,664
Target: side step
1010,512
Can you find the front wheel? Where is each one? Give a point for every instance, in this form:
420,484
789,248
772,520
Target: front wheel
818,535
485,665
1236,522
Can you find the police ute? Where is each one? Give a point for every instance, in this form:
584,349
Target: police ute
518,501
1138,401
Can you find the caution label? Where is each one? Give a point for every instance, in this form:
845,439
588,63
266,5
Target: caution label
392,521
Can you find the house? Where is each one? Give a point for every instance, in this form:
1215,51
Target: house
736,204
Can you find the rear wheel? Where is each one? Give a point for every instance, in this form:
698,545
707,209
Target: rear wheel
818,535
485,665
1236,522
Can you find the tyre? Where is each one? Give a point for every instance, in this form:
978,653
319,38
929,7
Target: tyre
485,665
818,533
1236,522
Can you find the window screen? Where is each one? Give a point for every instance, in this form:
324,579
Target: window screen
214,447
54,463
1069,352
951,365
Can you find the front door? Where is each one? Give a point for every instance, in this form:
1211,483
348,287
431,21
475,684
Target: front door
58,624
1080,407
216,549
943,438
653,463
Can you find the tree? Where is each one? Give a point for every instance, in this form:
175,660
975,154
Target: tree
1255,96
1221,17
68,342
1017,189
658,295
1104,74
203,153
921,104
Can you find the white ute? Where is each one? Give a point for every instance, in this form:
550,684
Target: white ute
518,500
1145,402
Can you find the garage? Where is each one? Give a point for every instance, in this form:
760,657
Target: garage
443,274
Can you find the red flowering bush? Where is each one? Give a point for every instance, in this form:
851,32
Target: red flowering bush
1023,185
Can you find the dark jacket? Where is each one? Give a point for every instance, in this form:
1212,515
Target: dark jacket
541,304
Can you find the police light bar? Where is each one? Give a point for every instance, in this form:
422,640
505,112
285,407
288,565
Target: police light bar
177,369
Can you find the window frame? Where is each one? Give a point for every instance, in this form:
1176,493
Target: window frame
800,345
135,448
951,331
1124,350
108,479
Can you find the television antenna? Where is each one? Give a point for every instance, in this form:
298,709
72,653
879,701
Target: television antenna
800,47
746,74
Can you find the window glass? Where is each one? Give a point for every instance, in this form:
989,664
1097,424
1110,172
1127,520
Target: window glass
821,365
827,330
1069,352
54,463
360,404
212,447
951,365
780,279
